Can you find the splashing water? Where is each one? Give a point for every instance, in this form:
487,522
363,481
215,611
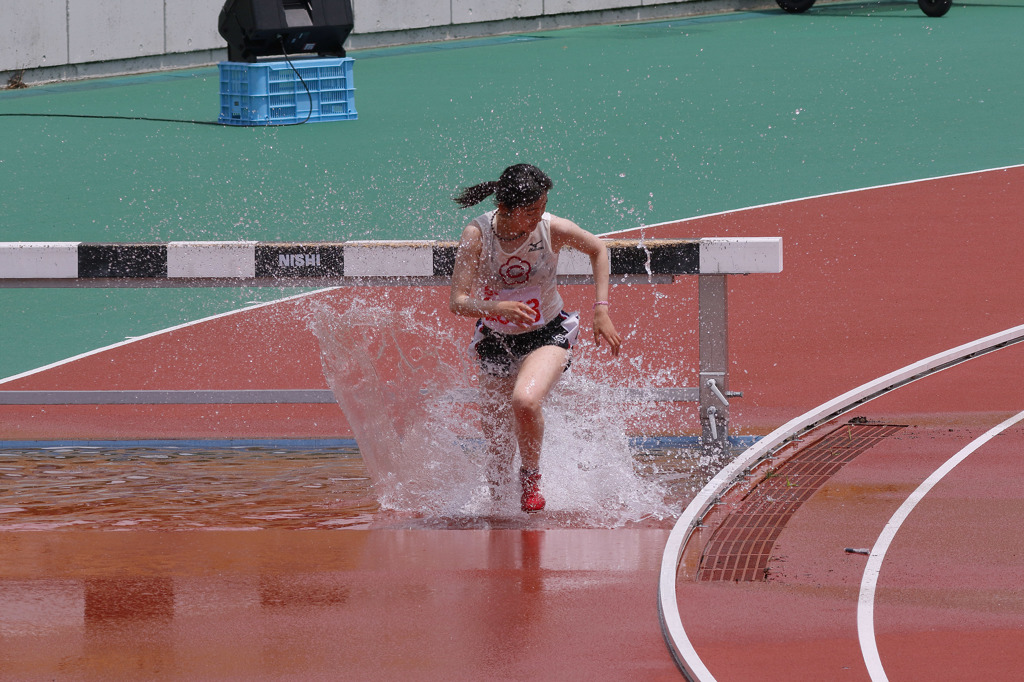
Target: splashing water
403,380
587,459
389,377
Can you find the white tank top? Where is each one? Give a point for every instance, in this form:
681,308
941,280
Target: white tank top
528,274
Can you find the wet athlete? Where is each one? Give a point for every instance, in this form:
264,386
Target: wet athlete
505,275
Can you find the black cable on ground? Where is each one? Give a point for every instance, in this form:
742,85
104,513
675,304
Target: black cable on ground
309,113
301,80
117,118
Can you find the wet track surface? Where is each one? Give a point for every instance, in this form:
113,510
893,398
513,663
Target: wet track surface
178,489
243,488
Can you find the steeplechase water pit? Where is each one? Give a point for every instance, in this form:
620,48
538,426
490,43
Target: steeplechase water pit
404,385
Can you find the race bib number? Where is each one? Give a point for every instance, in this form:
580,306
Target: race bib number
529,295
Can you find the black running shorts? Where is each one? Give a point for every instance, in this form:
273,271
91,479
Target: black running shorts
499,354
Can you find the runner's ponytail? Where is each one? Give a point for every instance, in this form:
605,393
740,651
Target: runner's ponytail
471,196
519,185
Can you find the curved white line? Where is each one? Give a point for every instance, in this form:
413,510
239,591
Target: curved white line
866,602
604,234
813,197
158,333
668,607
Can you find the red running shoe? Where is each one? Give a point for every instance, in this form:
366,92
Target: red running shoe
532,500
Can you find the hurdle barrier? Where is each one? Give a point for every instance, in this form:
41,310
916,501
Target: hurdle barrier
388,263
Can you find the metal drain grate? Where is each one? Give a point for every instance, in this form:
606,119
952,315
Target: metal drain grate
739,549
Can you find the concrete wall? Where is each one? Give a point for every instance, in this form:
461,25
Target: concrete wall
60,39
67,39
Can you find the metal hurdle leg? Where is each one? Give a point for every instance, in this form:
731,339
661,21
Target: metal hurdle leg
713,323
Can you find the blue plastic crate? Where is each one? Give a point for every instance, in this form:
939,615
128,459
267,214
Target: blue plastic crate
270,93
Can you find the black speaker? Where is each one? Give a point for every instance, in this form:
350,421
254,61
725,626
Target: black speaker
269,28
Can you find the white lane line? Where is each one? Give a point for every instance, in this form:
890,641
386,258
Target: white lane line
134,339
668,606
842,192
866,603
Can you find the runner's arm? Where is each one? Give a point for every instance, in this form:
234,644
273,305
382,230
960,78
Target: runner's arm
567,233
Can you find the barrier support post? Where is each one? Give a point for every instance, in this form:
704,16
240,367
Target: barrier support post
713,324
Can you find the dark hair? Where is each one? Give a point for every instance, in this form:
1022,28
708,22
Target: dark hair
519,185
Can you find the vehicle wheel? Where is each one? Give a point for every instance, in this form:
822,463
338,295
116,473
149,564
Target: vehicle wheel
798,6
934,8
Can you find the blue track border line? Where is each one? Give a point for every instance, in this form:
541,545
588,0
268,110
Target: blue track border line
640,443
292,443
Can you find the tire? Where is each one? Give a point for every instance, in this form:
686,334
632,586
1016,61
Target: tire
800,6
934,8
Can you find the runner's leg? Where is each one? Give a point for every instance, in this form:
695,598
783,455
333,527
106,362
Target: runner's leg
539,372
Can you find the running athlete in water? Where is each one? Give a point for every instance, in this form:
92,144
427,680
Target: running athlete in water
505,276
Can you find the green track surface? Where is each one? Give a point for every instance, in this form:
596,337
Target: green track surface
636,123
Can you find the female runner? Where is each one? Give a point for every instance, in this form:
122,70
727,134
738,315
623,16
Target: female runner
504,275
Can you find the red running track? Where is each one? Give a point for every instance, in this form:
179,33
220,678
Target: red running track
873,280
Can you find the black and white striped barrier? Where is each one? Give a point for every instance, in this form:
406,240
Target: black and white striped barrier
184,264
367,263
